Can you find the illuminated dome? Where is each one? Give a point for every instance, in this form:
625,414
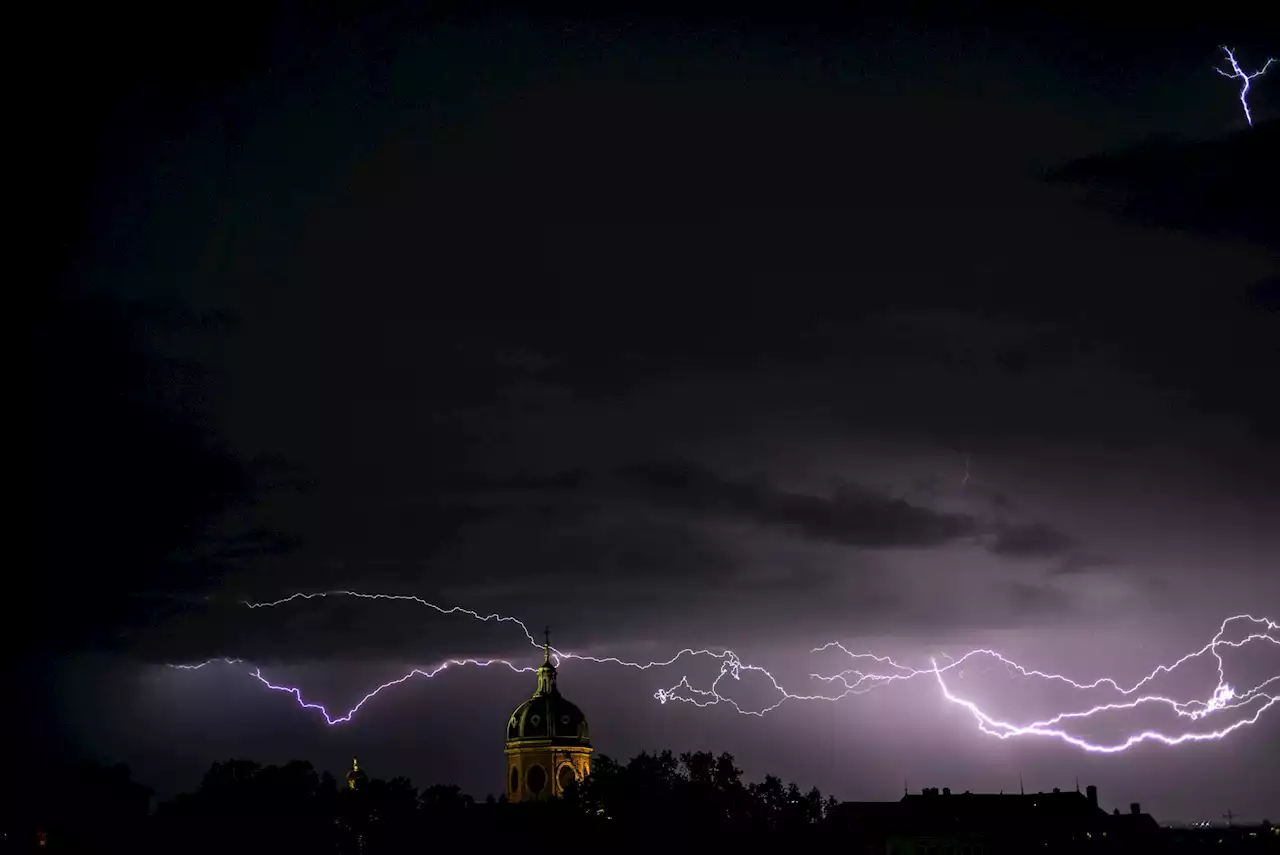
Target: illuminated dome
356,777
548,743
548,716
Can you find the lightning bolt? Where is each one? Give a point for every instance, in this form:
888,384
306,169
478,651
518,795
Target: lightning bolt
875,672
416,672
1237,73
196,667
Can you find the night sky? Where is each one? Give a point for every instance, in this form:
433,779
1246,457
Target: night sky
916,333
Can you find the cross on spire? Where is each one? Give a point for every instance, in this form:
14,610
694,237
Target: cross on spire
547,671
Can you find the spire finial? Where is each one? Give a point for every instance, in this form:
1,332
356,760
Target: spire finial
546,671
355,764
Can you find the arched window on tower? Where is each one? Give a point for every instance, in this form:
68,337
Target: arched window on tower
515,780
536,779
565,777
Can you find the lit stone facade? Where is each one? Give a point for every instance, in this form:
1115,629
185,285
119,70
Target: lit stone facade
548,743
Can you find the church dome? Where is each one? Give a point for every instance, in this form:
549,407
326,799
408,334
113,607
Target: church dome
356,778
549,716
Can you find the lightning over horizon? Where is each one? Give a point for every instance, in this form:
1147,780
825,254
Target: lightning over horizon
878,671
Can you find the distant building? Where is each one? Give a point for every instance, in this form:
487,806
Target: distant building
1133,828
548,742
935,822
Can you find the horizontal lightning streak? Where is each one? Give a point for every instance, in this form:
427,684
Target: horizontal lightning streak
196,667
1005,730
416,672
882,671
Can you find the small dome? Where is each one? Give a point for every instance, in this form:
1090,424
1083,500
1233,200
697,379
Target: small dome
549,716
356,777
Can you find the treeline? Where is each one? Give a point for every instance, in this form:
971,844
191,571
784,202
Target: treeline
698,787
658,799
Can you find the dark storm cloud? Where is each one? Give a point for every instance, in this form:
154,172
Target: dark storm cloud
486,362
1032,540
1219,187
853,515
256,543
667,537
519,482
1218,350
1037,600
446,249
1077,562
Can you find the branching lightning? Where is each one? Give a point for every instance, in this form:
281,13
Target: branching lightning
416,672
1237,73
875,671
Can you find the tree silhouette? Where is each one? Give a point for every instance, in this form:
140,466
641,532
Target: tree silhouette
87,804
694,799
446,800
242,805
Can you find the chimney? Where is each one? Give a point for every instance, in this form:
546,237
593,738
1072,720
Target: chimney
946,791
1135,808
1092,792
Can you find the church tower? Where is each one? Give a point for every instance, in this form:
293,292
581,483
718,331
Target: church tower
356,778
548,744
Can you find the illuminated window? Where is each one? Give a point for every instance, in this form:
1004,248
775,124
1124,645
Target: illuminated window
536,779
